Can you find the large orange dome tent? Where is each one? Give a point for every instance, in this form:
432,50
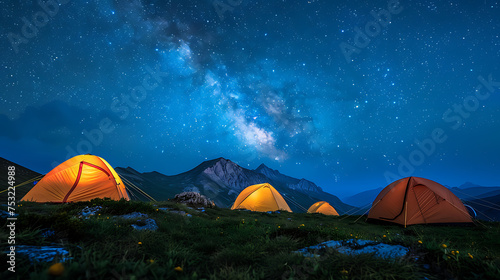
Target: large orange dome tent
415,200
323,207
80,178
261,198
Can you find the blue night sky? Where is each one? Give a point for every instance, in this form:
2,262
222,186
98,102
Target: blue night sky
336,93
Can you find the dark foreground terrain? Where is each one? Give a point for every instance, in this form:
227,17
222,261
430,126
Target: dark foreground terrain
218,243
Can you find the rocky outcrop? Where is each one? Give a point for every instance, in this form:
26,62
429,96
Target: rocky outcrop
193,198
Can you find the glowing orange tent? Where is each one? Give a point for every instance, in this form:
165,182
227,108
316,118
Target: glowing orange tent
261,198
416,200
323,207
80,178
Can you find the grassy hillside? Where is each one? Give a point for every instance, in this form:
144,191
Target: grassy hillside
224,244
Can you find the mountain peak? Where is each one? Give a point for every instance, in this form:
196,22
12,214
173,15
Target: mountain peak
269,172
262,167
467,185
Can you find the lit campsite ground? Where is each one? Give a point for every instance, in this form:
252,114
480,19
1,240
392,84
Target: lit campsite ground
223,244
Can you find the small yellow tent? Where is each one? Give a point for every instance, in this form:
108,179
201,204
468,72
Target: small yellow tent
80,178
261,198
322,207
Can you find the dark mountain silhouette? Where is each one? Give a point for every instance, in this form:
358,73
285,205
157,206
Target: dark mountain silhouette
222,180
470,191
363,199
302,185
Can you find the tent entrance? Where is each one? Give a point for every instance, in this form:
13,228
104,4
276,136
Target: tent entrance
425,200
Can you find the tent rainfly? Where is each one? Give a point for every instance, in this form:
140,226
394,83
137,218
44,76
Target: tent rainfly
80,178
415,200
261,198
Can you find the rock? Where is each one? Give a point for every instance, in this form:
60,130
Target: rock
47,233
356,247
4,214
150,224
43,253
194,198
182,213
134,215
89,211
142,220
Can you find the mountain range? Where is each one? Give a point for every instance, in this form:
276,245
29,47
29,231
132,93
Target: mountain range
222,180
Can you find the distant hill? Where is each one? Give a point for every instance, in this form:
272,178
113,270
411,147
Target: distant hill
222,180
470,191
363,199
23,174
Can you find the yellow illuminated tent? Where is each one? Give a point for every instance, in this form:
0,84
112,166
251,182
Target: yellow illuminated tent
80,178
261,198
322,207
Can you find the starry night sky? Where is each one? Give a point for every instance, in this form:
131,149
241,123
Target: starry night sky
174,83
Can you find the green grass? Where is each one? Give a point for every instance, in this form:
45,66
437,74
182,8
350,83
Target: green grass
224,244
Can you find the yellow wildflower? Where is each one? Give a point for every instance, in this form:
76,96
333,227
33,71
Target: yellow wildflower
384,236
444,246
420,242
345,272
178,269
470,256
140,243
56,269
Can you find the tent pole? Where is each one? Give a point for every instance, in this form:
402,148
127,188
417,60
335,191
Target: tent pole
406,209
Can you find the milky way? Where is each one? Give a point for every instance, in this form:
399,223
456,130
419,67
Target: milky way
350,96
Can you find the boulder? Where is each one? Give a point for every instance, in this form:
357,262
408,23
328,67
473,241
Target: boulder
194,198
